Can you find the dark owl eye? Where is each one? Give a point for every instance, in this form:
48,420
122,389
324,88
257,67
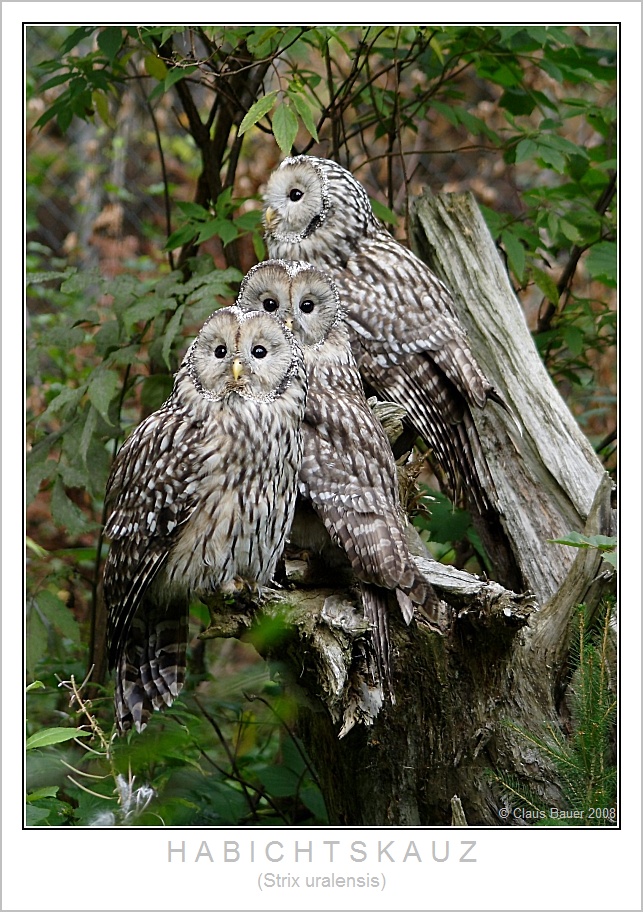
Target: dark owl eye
307,306
258,351
220,351
270,304
295,194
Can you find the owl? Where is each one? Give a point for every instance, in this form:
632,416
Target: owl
349,497
407,340
201,498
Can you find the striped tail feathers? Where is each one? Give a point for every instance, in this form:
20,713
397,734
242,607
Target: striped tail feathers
375,604
151,666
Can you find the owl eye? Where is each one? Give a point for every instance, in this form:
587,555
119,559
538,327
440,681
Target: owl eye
220,351
307,306
258,351
270,304
295,195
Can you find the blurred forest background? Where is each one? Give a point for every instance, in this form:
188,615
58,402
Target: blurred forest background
146,152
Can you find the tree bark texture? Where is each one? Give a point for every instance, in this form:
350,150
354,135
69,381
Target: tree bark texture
436,756
547,479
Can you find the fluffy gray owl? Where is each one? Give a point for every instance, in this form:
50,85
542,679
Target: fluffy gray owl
201,498
348,474
408,342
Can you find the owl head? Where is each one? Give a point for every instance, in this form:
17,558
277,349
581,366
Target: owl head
253,355
311,199
305,298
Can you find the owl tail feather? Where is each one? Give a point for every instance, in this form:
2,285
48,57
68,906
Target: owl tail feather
375,605
150,672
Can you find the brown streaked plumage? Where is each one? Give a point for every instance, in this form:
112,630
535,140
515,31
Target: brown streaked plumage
407,340
348,473
201,497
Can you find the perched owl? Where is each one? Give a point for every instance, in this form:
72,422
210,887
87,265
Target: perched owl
201,498
406,337
348,474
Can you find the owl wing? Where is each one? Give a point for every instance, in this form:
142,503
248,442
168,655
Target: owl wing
394,301
349,475
440,416
151,492
343,477
414,352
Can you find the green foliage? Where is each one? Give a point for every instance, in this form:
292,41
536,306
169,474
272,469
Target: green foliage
547,107
606,544
584,758
449,532
219,761
400,105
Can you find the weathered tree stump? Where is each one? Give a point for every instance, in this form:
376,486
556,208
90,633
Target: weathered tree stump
503,655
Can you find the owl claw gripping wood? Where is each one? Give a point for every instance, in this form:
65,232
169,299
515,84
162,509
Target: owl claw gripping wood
201,498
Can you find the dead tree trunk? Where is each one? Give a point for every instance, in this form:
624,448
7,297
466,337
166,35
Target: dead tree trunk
505,655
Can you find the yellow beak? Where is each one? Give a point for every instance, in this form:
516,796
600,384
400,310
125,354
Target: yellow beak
269,216
237,368
288,322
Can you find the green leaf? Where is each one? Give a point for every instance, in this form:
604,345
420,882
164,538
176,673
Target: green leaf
59,615
285,126
36,815
110,41
150,307
48,791
214,228
525,150
48,736
183,235
446,523
75,38
601,262
248,221
194,211
170,334
577,540
545,283
56,80
35,685
258,110
314,801
258,246
305,112
279,781
67,399
155,391
446,111
36,639
155,67
89,429
65,513
222,228
102,388
574,339
99,100
552,157
517,101
383,213
175,74
515,252
570,231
